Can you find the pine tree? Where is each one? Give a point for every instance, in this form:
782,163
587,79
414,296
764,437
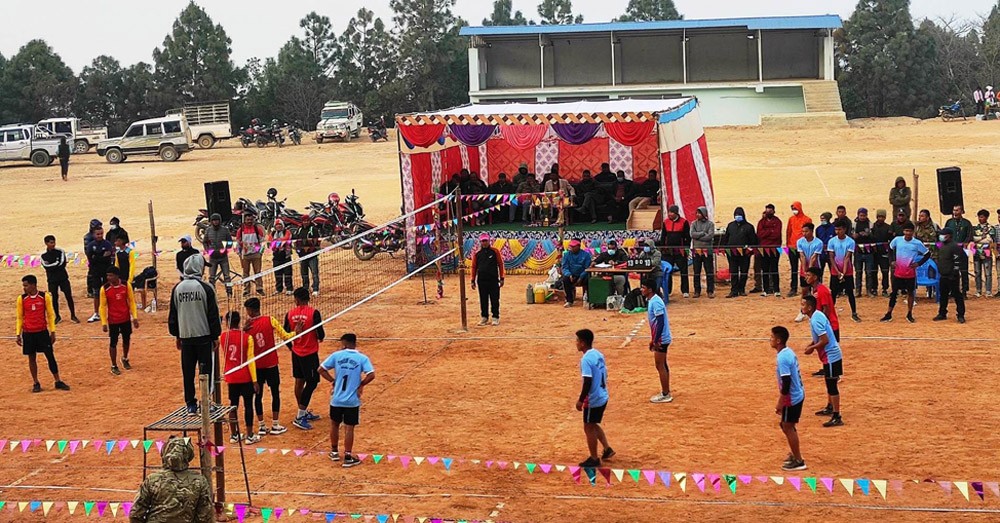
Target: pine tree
558,12
366,63
502,15
650,11
99,97
433,61
989,49
320,41
36,84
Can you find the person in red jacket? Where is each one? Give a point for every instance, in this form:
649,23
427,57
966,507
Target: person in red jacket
793,231
768,252
263,329
305,354
677,240
241,376
118,316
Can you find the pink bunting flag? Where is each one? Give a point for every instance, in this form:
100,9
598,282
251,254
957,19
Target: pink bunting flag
362,456
762,479
159,446
945,485
796,482
127,507
240,511
101,507
98,445
390,457
433,460
828,483
745,479
650,476
489,464
546,468
573,469
994,487
299,452
502,465
716,481
699,479
25,444
897,485
405,460
122,444
73,444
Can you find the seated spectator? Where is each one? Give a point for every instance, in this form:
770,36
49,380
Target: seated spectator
589,196
504,186
575,263
522,173
646,193
621,194
526,191
612,255
563,199
653,254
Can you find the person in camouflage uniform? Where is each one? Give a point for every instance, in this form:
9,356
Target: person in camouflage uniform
175,494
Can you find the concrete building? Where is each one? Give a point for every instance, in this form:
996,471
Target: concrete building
744,71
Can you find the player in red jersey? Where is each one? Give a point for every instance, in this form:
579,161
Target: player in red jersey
118,316
263,329
305,354
237,349
35,330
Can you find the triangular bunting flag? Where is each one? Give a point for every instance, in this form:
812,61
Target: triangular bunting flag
240,511
419,460
502,465
71,506
530,467
592,476
48,444
62,446
665,479
109,445
517,464
134,443
745,479
573,469
72,446
114,509
447,463
405,460
778,480
21,505
260,450
650,476
699,480
3,445
716,481
994,487
635,474
812,483
863,485
848,485
762,479
101,507
127,507
606,472
731,481
284,452
35,505
681,479
619,473
377,457
88,506
46,507
897,485
796,482
576,475
880,485
945,485
299,452
265,513
963,487
122,444
546,468
159,446
560,468
828,483
432,460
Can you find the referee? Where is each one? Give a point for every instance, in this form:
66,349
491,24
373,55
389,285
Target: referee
487,270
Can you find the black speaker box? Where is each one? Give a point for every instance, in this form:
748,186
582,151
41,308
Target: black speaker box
217,199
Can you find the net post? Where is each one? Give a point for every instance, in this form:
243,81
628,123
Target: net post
206,457
916,194
220,471
152,235
459,240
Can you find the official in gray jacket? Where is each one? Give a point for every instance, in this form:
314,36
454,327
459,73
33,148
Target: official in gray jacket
218,242
194,321
702,237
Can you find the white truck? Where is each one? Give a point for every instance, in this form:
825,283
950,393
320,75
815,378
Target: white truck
341,120
81,134
23,142
209,122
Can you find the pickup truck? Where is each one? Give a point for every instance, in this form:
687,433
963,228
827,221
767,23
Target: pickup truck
209,122
81,134
23,143
167,137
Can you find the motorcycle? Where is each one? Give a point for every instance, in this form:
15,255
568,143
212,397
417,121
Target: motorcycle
377,131
389,240
247,136
294,134
950,112
269,135
241,207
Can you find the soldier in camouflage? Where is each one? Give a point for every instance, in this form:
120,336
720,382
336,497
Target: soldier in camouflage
175,494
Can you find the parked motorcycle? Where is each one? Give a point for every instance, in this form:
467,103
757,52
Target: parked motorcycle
294,134
377,131
247,136
951,112
390,240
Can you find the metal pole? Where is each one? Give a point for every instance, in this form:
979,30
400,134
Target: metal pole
206,456
684,53
461,260
760,58
541,61
612,58
916,193
152,234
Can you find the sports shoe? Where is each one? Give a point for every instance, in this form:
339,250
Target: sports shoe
567,305
885,293
126,364
820,373
235,438
288,293
661,398
686,295
939,317
350,461
835,421
315,293
732,295
333,455
58,320
192,410
262,430
827,411
590,463
777,295
711,295
482,322
276,429
36,387
62,385
978,295
252,439
961,319
886,319
495,322
93,318
74,319
310,416
792,293
800,318
794,464
115,371
856,318
909,318
608,453
756,290
302,423
789,459
763,295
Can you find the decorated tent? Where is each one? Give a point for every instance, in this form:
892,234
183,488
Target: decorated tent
631,135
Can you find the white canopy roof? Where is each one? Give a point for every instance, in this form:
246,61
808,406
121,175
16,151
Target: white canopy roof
583,107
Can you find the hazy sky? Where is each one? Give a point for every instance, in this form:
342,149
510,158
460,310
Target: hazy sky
130,30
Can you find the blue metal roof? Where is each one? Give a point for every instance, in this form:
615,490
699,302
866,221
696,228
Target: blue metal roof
761,23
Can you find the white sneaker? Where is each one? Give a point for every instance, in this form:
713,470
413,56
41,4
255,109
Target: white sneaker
252,439
315,293
584,297
687,295
276,429
496,321
482,322
661,398
234,439
288,293
800,318
93,318
763,295
567,305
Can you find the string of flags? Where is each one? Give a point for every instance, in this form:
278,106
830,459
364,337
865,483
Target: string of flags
704,482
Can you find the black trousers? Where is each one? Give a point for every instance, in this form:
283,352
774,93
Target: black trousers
708,262
54,288
965,278
242,391
680,264
739,267
64,166
769,268
951,288
194,353
272,379
489,295
846,286
882,260
793,261
283,277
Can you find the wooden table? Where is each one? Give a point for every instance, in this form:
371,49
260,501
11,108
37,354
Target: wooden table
612,270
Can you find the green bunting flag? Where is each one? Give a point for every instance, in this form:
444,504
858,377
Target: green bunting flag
265,513
731,481
88,506
635,474
62,446
377,458
530,467
811,482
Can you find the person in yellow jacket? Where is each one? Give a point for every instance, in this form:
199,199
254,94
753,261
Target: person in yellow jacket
125,259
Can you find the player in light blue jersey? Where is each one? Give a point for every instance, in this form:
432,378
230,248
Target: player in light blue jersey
593,397
351,372
825,341
791,396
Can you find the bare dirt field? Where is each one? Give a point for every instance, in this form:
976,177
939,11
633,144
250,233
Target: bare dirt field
918,400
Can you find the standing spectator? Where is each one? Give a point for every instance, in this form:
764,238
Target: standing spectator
951,260
64,157
187,251
907,253
621,194
118,316
824,232
488,274
899,224
612,256
676,238
217,243
645,193
35,330
281,251
841,250
881,235
962,234
175,493
593,399
100,256
116,231
574,268
352,370
307,242
769,253
996,242
250,247
737,241
864,259
503,186
125,260
703,251
982,238
54,261
980,99
991,97
793,232
926,230
899,198
842,215
194,322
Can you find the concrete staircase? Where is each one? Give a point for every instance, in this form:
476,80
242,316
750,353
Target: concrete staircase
822,97
823,109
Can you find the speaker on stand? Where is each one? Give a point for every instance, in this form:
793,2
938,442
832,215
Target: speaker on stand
950,189
217,199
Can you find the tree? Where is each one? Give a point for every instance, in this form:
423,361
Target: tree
291,87
194,63
99,96
957,61
433,61
502,10
989,48
36,84
650,11
558,12
320,41
366,63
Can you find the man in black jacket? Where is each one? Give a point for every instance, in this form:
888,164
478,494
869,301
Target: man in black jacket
503,186
116,231
186,252
612,255
736,241
588,196
621,193
646,192
951,261
488,274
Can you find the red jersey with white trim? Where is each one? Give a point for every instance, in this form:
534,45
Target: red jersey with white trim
308,343
237,347
262,329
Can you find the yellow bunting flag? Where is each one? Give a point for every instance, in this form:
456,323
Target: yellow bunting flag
114,508
71,506
418,459
516,465
619,473
284,452
46,507
849,485
560,468
135,443
21,505
778,480
963,487
880,486
681,479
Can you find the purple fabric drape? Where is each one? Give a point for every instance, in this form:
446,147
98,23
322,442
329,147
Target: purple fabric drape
472,135
576,133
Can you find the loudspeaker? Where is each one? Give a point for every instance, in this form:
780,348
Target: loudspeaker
217,199
949,189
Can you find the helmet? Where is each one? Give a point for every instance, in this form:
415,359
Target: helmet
272,192
274,121
255,121
333,199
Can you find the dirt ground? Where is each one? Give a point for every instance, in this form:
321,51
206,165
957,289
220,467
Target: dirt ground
917,399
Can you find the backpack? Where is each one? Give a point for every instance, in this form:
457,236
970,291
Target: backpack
634,300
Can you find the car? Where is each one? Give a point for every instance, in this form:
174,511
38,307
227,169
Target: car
167,137
339,120
23,142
